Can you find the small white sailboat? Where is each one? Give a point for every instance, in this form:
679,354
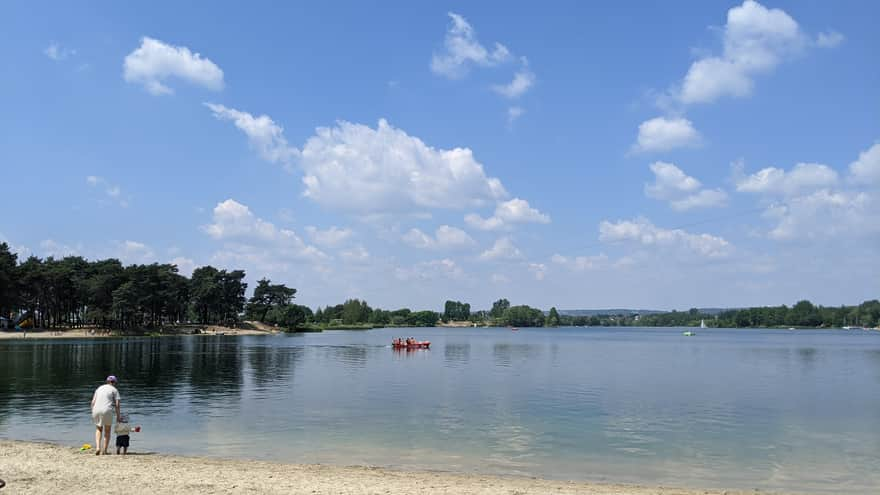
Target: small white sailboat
702,323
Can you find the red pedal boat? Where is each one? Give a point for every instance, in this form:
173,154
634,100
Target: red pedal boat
415,345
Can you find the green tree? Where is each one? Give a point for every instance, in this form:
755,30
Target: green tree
552,318
499,307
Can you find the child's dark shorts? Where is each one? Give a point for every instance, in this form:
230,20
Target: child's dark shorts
122,441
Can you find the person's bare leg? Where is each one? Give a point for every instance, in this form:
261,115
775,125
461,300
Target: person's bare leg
124,450
98,440
106,438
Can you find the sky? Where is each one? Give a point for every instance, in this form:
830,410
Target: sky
571,154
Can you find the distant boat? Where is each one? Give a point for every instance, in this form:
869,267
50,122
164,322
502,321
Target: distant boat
689,333
702,323
514,329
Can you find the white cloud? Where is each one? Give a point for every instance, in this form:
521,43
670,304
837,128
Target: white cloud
643,232
539,270
462,50
255,240
829,39
507,213
357,254
331,237
431,270
445,237
50,247
154,62
112,191
58,53
477,222
825,214
755,40
264,135
522,81
514,113
665,134
670,182
580,263
706,198
503,249
802,177
134,253
681,190
866,170
356,168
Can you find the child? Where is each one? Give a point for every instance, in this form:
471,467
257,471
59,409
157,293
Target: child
123,429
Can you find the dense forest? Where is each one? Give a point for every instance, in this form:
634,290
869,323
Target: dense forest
74,292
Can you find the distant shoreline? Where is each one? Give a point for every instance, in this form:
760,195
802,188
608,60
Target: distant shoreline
30,467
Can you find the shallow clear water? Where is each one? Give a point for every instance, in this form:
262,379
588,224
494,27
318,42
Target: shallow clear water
794,410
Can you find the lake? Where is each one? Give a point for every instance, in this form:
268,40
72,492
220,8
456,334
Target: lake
768,409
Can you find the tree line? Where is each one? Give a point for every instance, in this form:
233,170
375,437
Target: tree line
74,292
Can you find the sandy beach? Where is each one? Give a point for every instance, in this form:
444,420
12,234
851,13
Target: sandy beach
44,468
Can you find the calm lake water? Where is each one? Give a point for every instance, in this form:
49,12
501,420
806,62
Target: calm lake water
798,410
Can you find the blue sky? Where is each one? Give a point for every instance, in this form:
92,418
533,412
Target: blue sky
579,155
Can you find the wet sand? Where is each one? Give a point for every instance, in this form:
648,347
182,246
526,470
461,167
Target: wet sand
44,468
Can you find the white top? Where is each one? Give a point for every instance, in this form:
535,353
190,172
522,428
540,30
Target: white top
105,399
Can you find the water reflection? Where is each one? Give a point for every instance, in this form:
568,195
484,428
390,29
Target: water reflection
457,354
633,405
505,354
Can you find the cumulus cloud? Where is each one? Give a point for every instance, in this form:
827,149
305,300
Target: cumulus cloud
866,170
445,237
808,202
250,237
264,135
462,50
755,40
154,62
507,213
503,249
522,81
829,39
665,134
331,237
682,191
643,232
57,52
825,214
802,177
357,168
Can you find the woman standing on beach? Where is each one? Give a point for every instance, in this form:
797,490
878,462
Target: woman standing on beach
105,401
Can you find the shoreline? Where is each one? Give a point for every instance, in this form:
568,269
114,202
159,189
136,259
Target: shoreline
31,467
84,333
